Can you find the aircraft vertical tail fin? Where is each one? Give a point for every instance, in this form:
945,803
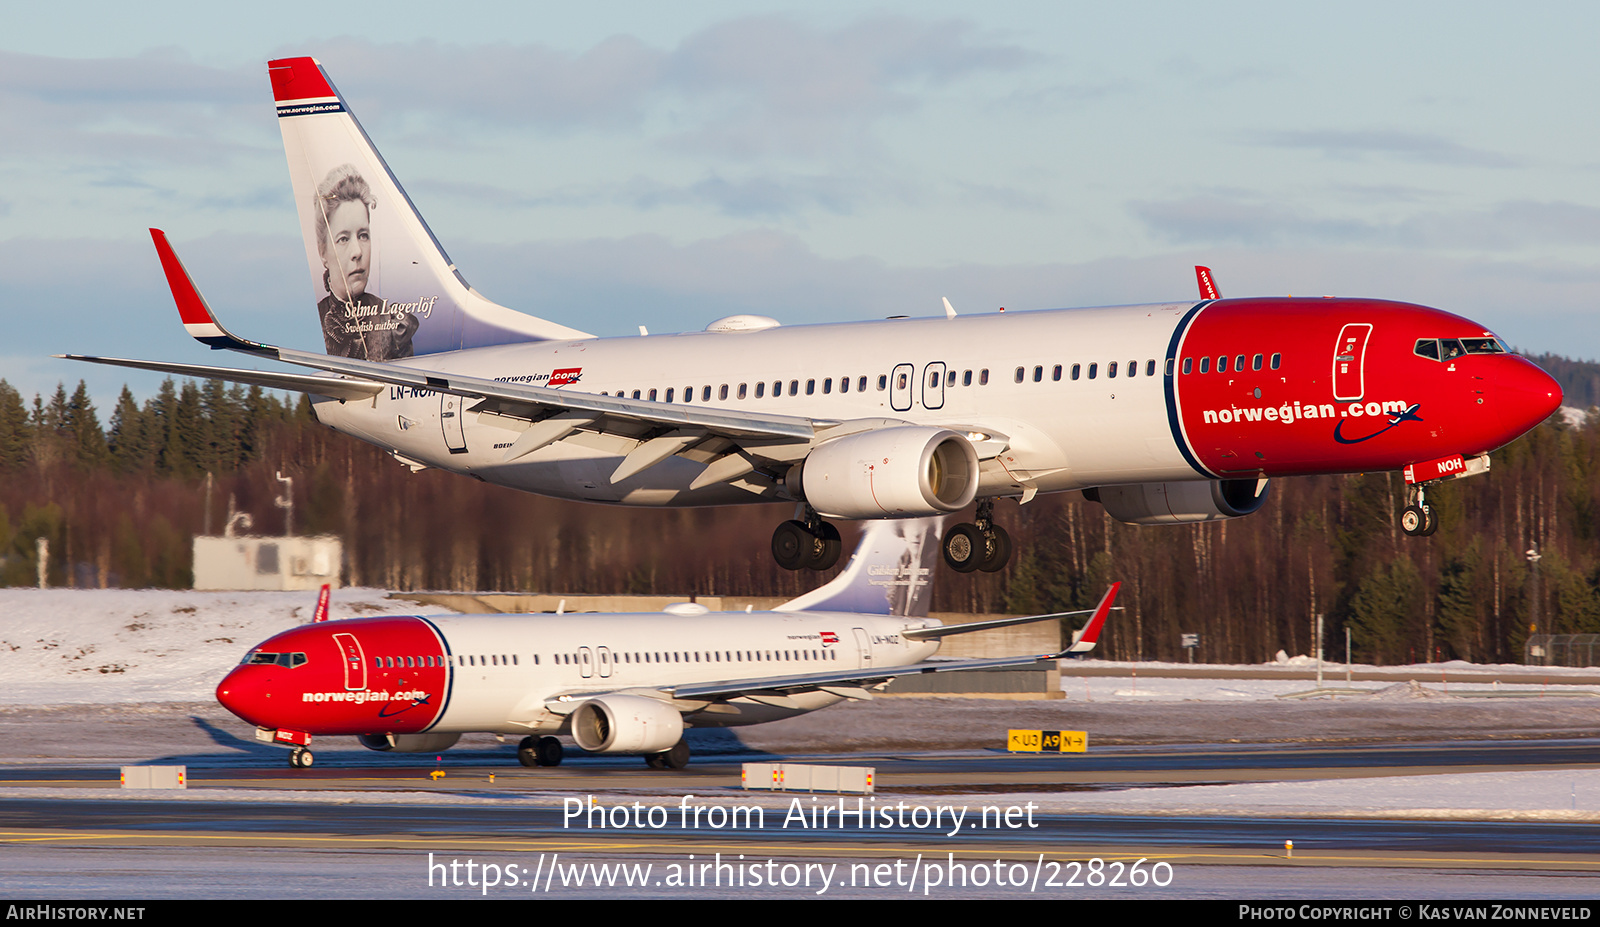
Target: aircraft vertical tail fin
890,573
385,288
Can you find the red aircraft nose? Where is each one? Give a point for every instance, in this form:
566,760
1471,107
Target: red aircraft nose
1526,396
244,692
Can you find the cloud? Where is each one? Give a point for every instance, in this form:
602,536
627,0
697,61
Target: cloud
747,87
1404,146
1213,219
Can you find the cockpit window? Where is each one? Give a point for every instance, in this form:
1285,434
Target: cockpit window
1483,346
1443,349
262,658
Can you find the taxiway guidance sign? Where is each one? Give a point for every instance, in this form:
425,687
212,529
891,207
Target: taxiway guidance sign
1047,741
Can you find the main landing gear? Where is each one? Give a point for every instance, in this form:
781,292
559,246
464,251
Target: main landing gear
806,542
540,751
675,758
1417,519
300,758
983,545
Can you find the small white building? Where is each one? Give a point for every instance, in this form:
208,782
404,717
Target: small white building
280,563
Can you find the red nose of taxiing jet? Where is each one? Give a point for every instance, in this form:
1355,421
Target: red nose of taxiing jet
244,692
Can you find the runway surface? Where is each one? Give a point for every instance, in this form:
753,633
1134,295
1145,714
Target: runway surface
364,825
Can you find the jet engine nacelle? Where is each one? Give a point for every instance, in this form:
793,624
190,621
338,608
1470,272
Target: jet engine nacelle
1181,503
626,724
909,471
408,743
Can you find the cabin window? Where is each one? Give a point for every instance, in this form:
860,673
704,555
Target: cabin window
844,384
1205,365
811,387
966,378
652,395
1055,374
688,394
636,394
741,390
761,389
1021,374
1188,365
883,382
669,394
1133,368
1255,362
1222,364
827,386
1077,370
861,384
1093,368
1111,370
1275,359
1150,368
722,391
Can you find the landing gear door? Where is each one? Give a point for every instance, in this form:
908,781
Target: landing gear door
900,387
1348,356
450,417
933,385
355,665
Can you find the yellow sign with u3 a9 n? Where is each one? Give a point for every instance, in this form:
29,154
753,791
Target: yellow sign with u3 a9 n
1047,741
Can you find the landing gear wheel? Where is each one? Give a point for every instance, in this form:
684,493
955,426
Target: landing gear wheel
964,548
825,548
655,761
1413,520
1430,521
998,549
528,752
300,758
549,751
677,757
796,546
792,545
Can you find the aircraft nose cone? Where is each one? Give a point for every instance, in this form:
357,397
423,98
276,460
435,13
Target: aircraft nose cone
1530,396
241,693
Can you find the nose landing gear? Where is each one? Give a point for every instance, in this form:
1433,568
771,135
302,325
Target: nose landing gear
1417,519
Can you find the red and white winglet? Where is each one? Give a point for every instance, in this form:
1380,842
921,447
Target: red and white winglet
1084,640
198,320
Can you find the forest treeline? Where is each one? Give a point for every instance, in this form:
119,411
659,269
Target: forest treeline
119,505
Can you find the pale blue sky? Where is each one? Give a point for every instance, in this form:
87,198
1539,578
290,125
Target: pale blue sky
611,165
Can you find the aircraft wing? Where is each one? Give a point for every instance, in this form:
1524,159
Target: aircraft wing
847,680
637,418
852,683
334,387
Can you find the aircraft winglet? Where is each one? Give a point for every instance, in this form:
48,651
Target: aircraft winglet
1208,283
1084,640
321,614
198,319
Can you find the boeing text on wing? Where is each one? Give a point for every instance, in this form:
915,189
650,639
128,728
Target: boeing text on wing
1168,413
626,684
